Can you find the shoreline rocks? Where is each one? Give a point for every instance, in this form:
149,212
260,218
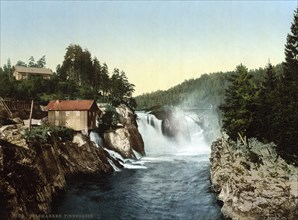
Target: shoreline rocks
31,173
30,177
253,182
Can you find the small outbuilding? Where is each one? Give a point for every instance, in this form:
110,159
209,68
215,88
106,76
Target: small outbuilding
76,114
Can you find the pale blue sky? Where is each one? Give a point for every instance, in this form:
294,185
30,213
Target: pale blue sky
158,44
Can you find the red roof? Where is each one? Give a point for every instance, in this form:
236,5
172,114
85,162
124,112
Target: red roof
70,105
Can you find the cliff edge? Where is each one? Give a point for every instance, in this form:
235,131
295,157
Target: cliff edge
253,182
30,174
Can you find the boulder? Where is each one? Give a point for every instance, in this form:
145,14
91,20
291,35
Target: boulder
14,134
253,182
126,115
126,138
124,141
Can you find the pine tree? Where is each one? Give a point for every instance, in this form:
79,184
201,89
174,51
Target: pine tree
268,106
239,108
288,137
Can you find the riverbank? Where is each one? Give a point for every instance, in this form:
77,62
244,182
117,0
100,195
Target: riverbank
32,172
253,182
171,182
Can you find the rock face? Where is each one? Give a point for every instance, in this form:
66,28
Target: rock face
30,174
127,138
253,182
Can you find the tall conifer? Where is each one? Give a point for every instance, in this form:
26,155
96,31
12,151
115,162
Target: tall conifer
239,109
288,137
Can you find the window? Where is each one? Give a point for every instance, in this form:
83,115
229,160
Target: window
56,122
67,113
78,113
57,114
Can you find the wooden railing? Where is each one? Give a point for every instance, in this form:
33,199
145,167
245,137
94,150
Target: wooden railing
4,107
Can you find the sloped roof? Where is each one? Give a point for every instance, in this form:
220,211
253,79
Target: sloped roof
32,70
70,105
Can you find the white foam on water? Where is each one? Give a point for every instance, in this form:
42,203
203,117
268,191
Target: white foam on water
161,148
94,137
114,166
126,163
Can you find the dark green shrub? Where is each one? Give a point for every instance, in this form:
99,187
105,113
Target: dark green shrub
108,120
66,134
42,133
39,133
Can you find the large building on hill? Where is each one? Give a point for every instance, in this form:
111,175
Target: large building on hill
22,72
76,114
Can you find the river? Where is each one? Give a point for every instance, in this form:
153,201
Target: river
171,182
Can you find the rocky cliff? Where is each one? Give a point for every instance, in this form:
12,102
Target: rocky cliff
253,182
126,138
30,174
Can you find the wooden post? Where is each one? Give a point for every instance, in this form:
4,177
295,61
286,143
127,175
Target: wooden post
30,117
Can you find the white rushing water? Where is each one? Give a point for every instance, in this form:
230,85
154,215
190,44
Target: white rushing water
171,182
156,144
126,163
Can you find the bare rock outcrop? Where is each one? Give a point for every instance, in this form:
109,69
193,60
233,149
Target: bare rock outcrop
253,182
32,173
126,138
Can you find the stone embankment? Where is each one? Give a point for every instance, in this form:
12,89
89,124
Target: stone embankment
253,182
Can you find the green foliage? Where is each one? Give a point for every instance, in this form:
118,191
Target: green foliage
79,77
43,133
287,138
240,104
39,133
108,120
268,124
201,92
64,133
270,111
121,90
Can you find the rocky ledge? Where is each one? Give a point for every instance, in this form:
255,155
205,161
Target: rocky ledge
253,182
30,174
126,139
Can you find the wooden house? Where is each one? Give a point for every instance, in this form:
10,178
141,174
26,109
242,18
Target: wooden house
22,72
76,114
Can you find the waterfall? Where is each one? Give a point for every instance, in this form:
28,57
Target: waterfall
126,163
96,138
158,144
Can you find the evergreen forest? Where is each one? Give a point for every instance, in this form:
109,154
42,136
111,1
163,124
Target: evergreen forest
80,76
260,103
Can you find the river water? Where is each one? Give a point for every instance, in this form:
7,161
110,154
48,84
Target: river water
171,182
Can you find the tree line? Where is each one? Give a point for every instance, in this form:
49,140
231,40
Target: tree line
269,111
206,91
260,103
78,77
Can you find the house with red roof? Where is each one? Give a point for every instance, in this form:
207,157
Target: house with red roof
76,114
